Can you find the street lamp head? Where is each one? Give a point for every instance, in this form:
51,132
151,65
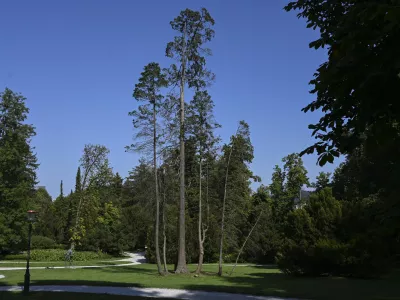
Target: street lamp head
31,215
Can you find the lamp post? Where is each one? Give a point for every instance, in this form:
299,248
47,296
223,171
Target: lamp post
31,219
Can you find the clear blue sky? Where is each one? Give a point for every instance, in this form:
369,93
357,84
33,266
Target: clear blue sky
77,63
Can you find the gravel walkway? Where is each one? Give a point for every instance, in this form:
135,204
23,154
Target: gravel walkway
143,292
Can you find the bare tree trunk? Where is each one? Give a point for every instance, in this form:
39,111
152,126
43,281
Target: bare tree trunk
156,189
245,241
201,234
164,234
181,265
221,242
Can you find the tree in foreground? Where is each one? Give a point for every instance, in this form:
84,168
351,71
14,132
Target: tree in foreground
201,125
357,89
194,29
148,136
18,166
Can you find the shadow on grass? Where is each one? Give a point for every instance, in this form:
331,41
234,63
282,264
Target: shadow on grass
67,295
327,288
130,269
81,282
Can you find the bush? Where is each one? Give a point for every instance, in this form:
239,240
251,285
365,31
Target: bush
58,255
19,256
325,257
367,257
42,242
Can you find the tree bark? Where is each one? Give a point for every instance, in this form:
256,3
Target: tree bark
181,265
244,244
201,235
156,190
164,234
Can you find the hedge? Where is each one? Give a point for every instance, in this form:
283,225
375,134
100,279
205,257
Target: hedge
58,255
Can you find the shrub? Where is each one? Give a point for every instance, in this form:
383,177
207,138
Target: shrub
42,242
58,255
19,256
325,257
367,257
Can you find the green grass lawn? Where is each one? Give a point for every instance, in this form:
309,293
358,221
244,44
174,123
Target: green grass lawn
249,280
61,264
64,296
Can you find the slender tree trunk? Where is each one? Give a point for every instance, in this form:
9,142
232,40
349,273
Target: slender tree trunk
208,206
157,191
201,246
245,241
164,233
181,265
221,242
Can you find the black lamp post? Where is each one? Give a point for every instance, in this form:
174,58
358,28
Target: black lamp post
31,219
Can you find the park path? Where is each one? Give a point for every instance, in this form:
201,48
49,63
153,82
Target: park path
133,259
142,292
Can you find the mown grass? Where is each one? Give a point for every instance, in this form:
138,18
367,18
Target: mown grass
254,280
65,296
11,264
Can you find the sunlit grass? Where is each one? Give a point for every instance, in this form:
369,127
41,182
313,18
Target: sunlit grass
255,280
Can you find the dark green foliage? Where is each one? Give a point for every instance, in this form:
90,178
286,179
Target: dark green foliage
145,121
78,181
357,87
320,240
322,181
42,242
46,224
59,255
17,169
137,207
310,247
194,29
357,90
324,257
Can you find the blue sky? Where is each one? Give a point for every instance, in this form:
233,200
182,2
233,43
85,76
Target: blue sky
78,61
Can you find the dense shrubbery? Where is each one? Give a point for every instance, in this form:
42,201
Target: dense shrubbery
315,245
58,255
42,242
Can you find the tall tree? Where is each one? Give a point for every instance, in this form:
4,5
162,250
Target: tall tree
93,162
145,118
296,178
201,125
61,189
236,157
18,166
194,29
322,181
78,181
42,203
277,191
